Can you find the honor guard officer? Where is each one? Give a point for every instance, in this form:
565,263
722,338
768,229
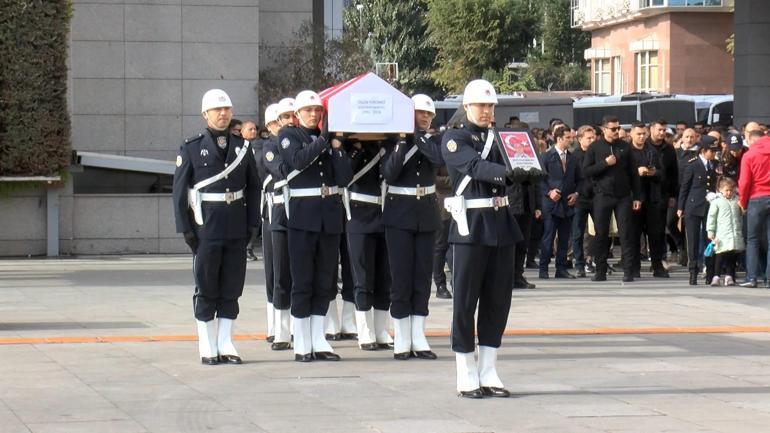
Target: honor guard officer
367,247
482,236
698,180
274,235
216,205
411,218
320,170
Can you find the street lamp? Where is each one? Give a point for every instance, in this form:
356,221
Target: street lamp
360,8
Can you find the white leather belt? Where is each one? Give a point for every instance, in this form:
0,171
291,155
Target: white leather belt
323,191
366,198
418,192
480,203
227,197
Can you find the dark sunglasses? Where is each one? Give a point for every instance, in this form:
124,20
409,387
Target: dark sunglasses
615,129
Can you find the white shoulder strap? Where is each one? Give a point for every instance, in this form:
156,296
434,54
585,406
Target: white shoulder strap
368,166
410,154
206,182
484,154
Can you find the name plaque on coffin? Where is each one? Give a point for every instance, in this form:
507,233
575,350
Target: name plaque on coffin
368,105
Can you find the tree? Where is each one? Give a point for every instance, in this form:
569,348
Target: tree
561,42
395,32
472,36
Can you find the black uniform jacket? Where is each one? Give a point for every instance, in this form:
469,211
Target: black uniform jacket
586,188
199,159
304,150
279,169
619,180
366,217
556,178
696,183
462,149
256,147
404,211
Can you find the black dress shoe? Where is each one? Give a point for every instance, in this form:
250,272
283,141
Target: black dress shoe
443,293
333,337
326,356
599,277
348,336
303,358
250,255
523,284
230,359
493,391
543,275
214,360
565,274
424,354
694,278
281,345
628,278
403,356
476,393
384,346
368,346
270,338
581,273
531,265
660,273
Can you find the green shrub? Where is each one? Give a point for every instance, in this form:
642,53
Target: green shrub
34,121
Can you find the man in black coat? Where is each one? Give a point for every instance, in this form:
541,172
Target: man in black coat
698,179
216,178
608,165
586,135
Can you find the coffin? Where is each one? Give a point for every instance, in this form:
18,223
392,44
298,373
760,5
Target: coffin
367,106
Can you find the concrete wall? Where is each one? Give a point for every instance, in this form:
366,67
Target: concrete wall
90,224
138,71
752,61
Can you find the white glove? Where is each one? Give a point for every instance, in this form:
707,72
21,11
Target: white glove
711,196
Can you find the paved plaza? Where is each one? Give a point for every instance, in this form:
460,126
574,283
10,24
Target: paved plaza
105,344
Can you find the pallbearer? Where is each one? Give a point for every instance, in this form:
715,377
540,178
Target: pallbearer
411,217
216,205
278,169
482,236
320,168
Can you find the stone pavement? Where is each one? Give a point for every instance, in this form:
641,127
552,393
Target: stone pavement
648,367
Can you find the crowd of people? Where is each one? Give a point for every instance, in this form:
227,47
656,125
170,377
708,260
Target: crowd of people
385,215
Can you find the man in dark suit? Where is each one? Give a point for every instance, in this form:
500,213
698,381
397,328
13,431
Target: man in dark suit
560,194
698,179
216,206
607,163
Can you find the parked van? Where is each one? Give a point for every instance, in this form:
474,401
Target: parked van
713,109
536,110
633,107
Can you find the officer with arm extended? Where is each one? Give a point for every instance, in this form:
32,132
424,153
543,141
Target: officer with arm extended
483,235
216,176
320,169
411,218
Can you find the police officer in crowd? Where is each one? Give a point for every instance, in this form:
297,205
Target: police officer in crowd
275,235
367,247
559,187
410,217
699,179
585,136
608,165
648,221
216,178
320,168
482,236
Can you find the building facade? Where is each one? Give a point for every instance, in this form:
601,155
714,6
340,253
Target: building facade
666,46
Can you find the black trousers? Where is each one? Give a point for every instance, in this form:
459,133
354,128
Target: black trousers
553,226
219,268
675,235
281,270
483,277
313,261
520,251
370,269
410,256
603,208
346,275
724,263
440,252
267,254
650,220
695,228
535,235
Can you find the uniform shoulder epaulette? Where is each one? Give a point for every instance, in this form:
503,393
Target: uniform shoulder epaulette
193,139
692,159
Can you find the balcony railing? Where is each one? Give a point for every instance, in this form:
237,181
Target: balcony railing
596,12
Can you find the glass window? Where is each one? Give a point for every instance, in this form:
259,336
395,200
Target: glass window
617,76
602,77
647,77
